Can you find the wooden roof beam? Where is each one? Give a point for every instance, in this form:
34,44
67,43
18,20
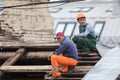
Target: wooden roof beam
27,45
25,68
37,68
13,59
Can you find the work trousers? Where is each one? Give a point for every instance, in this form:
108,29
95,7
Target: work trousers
60,64
86,43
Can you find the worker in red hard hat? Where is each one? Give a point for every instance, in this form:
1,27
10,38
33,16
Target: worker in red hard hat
86,38
65,57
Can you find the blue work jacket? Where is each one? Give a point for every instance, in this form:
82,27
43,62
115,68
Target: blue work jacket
67,48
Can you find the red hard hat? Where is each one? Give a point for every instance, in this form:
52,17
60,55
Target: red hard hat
59,34
80,15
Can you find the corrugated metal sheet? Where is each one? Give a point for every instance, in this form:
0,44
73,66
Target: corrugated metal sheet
107,68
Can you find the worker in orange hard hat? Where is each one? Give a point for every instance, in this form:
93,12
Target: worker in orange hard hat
80,18
80,15
86,38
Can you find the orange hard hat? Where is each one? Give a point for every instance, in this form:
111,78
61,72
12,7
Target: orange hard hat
80,15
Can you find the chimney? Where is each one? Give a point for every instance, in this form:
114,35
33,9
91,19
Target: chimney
116,7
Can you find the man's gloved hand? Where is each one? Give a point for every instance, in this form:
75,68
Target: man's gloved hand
49,56
72,38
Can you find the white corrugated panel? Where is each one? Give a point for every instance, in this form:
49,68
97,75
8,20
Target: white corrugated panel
107,68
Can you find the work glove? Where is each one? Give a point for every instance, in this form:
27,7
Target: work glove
72,38
49,56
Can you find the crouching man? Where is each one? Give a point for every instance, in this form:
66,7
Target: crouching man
65,57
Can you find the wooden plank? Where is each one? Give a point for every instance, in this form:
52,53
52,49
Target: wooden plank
27,45
25,68
22,78
62,78
4,55
36,68
14,58
43,54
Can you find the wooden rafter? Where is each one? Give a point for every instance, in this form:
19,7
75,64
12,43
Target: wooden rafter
27,45
13,59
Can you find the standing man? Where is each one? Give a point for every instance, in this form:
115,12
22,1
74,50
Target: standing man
86,39
66,55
